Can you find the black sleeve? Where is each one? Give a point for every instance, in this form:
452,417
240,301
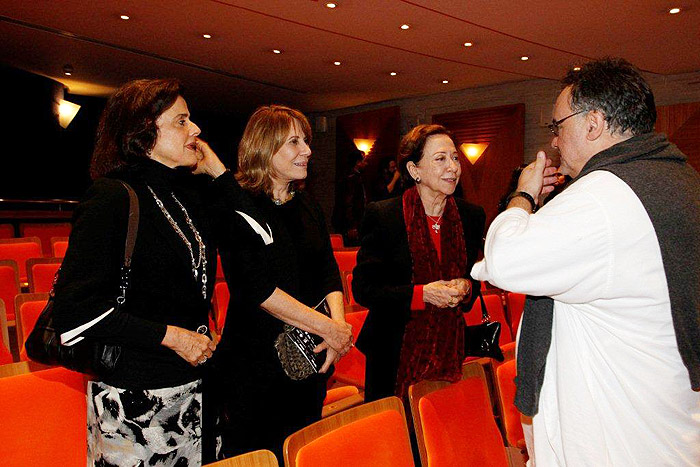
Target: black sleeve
88,282
373,282
328,273
243,253
474,238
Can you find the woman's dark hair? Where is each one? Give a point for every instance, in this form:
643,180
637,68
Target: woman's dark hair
412,145
127,129
616,88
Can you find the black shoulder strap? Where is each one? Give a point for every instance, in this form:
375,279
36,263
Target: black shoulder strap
133,224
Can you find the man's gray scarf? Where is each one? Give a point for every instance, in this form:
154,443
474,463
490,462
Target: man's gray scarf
669,190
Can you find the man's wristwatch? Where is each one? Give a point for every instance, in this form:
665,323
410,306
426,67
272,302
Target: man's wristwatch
523,194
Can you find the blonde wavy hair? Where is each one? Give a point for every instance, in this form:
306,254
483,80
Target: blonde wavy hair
264,135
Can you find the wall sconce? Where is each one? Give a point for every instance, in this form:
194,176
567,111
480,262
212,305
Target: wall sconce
364,145
473,151
66,112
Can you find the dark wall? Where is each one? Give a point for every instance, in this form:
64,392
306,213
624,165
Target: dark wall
41,160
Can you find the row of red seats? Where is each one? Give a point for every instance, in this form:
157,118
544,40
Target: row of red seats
453,423
43,231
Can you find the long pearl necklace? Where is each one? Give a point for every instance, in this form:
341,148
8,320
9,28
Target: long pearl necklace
202,257
436,222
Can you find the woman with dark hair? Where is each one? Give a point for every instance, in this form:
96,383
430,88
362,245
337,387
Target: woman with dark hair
413,267
148,411
263,403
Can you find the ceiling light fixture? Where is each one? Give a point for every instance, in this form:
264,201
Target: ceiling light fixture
276,51
468,44
393,73
67,70
206,36
124,17
524,58
336,63
674,11
331,5
444,81
405,26
577,68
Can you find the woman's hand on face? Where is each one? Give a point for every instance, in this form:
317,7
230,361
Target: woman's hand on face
332,356
209,163
442,294
337,336
193,347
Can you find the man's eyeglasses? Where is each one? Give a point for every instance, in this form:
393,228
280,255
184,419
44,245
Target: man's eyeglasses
554,126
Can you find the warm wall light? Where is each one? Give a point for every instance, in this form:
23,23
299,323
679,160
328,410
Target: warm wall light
336,63
393,73
331,5
524,58
473,151
66,112
206,36
364,145
124,17
468,44
276,51
674,11
405,26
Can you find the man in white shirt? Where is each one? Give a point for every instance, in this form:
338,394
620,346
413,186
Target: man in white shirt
609,352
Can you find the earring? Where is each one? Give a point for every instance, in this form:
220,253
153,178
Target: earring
417,180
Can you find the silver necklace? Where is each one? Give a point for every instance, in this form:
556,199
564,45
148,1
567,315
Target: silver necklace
279,202
202,257
436,223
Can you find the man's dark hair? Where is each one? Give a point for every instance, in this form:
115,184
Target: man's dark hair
127,129
617,89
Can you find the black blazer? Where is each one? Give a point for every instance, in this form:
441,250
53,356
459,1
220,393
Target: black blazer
382,279
162,289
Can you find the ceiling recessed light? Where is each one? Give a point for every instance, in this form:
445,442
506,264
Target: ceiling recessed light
336,63
674,11
124,17
405,26
206,36
331,5
393,73
524,58
577,68
276,51
67,70
444,81
468,44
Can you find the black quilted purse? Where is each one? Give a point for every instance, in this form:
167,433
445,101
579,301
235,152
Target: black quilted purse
295,349
481,340
83,354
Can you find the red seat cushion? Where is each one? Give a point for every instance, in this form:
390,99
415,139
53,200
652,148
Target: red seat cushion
351,368
29,313
42,275
43,419
458,426
377,440
505,375
8,290
20,253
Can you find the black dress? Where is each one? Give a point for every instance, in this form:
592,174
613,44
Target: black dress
262,404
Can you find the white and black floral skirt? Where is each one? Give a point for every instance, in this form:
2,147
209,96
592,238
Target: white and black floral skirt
159,427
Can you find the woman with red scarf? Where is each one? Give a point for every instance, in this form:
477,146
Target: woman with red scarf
413,270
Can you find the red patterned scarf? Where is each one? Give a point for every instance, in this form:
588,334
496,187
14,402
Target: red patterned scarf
433,343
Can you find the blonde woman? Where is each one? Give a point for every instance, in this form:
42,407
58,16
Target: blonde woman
262,405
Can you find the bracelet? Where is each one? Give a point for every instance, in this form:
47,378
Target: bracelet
526,195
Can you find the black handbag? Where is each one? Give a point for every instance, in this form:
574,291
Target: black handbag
295,349
481,340
85,355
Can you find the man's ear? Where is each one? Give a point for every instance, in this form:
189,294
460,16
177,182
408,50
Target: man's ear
595,125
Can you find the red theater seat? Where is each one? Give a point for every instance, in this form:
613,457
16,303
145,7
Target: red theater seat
28,307
43,419
5,354
369,435
505,376
346,259
44,232
351,368
59,245
20,250
337,241
7,231
455,425
41,273
9,287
